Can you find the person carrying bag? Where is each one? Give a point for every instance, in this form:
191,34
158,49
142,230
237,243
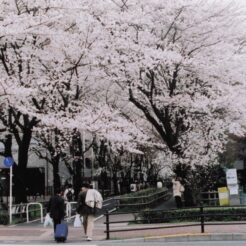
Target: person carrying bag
78,221
89,200
48,221
56,208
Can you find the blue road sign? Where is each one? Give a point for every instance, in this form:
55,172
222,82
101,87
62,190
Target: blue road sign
8,161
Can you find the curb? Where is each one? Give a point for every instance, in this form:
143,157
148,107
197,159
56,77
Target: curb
199,237
187,238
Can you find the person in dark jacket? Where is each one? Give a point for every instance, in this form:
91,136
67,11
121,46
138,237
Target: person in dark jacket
56,208
87,212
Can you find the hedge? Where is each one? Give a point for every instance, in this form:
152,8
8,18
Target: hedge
145,192
4,218
193,215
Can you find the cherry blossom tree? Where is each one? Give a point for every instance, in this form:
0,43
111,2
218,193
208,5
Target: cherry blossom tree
85,66
181,64
48,80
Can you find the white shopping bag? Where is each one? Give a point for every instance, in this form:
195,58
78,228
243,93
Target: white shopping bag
77,221
48,221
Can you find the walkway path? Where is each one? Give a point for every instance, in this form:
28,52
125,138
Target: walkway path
169,204
37,233
45,235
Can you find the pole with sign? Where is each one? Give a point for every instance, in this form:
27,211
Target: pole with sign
232,184
8,162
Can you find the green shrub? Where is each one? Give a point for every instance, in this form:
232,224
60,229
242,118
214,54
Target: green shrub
4,218
145,192
193,215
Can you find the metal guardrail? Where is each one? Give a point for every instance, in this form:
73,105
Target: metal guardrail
201,222
18,208
23,210
69,209
41,211
145,200
212,198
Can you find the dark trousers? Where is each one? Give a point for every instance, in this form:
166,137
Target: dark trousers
178,201
56,222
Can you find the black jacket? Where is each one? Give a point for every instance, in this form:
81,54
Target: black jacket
56,207
82,208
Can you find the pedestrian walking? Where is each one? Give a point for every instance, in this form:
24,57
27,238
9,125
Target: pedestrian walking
69,193
56,208
89,200
178,189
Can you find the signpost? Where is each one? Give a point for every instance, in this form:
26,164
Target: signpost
232,184
8,162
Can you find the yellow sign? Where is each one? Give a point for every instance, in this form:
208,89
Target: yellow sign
223,196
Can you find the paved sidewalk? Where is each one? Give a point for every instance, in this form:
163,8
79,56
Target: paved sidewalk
37,233
40,234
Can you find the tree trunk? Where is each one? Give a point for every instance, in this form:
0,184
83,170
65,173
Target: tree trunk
77,177
56,176
115,184
8,145
20,188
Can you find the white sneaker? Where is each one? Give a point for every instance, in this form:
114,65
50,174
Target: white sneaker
89,239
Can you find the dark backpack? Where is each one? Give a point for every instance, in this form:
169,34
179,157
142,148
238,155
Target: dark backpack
70,195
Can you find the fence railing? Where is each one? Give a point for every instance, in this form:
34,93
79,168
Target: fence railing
142,201
70,209
203,218
210,198
40,209
23,212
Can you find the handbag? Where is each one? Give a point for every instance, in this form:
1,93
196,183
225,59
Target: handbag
182,189
77,221
48,221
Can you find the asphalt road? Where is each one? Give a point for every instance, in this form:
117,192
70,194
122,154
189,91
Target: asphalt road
140,243
197,243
